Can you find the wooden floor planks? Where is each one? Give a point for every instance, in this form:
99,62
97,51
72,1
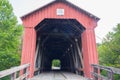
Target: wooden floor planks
58,76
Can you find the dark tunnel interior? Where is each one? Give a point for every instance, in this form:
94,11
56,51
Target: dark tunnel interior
59,39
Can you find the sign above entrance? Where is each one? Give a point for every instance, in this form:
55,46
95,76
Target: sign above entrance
60,12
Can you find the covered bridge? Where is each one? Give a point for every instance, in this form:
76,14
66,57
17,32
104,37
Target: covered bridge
60,30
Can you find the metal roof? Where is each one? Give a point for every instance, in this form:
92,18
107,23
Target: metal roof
68,3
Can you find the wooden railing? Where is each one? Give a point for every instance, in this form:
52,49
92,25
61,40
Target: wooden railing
13,72
110,71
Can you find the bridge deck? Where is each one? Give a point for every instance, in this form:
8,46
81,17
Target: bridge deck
58,76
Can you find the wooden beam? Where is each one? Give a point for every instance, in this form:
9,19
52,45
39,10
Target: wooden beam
37,53
13,70
79,52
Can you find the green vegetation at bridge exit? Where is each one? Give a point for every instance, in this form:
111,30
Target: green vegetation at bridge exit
10,36
56,63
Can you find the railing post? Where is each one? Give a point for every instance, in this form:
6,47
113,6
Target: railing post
110,75
25,71
95,71
13,76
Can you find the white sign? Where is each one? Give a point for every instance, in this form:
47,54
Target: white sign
60,12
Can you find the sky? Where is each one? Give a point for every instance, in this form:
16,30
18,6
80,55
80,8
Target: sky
107,10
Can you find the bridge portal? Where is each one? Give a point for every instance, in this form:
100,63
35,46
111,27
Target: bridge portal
59,39
60,30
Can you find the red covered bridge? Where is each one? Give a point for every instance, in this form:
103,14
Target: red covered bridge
60,30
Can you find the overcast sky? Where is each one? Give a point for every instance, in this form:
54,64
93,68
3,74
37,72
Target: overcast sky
107,10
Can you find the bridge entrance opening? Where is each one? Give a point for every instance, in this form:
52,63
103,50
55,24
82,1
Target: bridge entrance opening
59,39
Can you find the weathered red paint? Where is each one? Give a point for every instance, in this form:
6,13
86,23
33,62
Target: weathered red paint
28,50
90,55
88,37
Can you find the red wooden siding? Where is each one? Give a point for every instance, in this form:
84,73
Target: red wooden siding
33,19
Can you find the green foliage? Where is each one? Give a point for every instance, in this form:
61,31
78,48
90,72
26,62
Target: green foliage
116,77
56,63
10,36
109,50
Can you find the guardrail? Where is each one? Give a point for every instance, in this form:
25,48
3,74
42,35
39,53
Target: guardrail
110,72
13,72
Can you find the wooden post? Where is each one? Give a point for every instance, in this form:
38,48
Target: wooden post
95,71
89,50
79,53
110,75
25,71
76,59
13,76
28,50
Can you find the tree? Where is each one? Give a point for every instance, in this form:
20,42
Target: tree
56,63
109,50
10,36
